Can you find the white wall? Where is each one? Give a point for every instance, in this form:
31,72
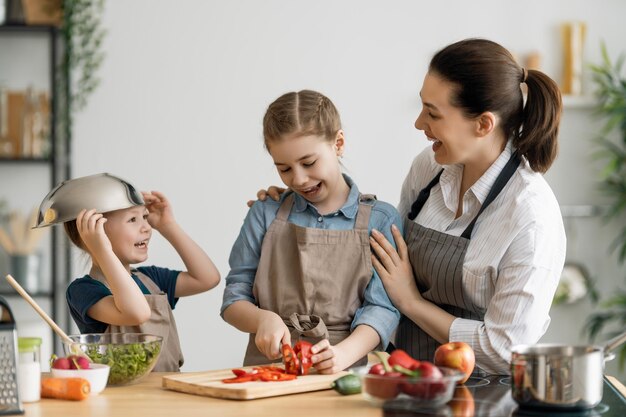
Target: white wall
185,84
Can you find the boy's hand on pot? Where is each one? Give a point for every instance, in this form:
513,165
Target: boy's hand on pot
160,213
271,334
90,226
394,268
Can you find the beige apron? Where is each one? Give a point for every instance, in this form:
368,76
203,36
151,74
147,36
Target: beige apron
160,323
314,279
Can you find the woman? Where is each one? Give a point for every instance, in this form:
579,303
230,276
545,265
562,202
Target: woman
484,243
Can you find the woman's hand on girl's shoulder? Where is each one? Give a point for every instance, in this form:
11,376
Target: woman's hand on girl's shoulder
274,192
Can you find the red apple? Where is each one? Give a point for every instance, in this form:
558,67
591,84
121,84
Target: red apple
456,355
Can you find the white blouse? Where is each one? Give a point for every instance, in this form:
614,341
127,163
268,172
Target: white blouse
515,257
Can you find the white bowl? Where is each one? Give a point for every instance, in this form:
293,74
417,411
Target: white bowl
97,375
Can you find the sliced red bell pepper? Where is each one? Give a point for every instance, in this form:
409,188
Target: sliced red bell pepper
239,372
269,376
237,379
303,352
290,360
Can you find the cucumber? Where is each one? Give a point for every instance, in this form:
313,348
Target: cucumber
347,384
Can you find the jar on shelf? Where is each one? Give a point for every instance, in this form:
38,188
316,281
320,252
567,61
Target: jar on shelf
29,369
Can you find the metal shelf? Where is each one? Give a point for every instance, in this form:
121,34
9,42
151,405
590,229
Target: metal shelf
58,163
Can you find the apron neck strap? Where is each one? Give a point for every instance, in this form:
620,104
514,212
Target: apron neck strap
145,280
417,205
362,217
363,213
504,177
285,208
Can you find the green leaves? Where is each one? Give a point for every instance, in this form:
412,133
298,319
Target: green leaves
82,35
611,149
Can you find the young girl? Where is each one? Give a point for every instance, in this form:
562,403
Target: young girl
301,267
104,216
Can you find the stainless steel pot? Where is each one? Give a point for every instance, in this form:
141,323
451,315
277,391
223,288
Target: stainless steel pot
560,376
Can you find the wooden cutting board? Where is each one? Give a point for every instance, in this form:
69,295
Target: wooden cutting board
210,384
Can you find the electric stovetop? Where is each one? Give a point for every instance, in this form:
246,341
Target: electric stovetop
491,397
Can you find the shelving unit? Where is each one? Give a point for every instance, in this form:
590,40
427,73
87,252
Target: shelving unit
56,163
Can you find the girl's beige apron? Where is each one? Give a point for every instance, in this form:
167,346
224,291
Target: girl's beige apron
437,260
314,279
160,323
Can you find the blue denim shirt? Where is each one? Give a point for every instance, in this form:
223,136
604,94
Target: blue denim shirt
377,310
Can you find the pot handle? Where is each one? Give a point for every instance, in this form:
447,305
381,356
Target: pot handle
612,344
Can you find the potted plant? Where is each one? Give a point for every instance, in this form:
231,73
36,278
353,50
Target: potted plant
611,93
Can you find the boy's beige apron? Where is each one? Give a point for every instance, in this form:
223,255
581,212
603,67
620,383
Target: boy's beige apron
160,323
437,260
314,279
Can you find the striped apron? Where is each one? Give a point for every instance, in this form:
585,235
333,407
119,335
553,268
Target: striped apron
437,260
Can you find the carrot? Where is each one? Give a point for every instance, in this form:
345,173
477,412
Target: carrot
65,388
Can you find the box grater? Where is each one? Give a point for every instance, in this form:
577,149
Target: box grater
9,399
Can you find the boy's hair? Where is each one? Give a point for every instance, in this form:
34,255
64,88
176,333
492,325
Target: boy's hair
303,113
71,230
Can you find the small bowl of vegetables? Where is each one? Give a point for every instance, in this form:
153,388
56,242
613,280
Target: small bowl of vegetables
130,356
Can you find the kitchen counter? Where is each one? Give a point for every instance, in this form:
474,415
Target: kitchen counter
148,398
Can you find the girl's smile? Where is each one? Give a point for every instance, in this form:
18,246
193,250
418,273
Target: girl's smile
309,165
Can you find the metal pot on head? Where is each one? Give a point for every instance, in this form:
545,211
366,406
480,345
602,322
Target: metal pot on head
103,192
560,376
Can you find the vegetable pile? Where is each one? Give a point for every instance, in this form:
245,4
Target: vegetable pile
128,361
70,362
260,373
400,373
297,361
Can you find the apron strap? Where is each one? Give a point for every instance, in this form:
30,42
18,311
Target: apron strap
417,205
504,177
145,280
285,208
363,214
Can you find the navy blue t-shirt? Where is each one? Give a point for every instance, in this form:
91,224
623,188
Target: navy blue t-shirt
84,292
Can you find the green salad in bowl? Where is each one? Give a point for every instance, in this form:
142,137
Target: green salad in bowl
129,355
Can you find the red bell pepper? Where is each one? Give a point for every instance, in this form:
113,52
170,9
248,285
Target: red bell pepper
303,352
401,358
297,360
259,373
290,360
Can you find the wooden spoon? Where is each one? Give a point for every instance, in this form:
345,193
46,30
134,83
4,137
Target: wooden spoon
74,347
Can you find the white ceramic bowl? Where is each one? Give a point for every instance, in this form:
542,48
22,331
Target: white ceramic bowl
97,375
